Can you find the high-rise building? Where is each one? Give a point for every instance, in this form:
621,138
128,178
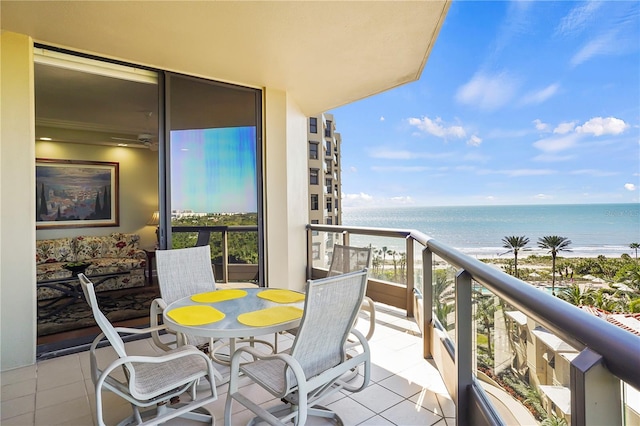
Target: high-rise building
325,185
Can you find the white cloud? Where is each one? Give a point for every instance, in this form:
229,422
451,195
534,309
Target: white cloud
437,127
599,126
353,169
487,92
360,196
556,144
578,17
474,140
552,158
402,200
540,126
540,96
362,199
594,172
564,128
381,118
630,187
542,197
605,44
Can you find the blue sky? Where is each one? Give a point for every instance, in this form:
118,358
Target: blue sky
519,103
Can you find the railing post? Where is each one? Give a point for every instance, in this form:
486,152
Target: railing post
427,302
309,252
464,349
595,392
225,256
409,272
345,238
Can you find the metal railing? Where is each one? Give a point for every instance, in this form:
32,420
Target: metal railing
608,354
204,237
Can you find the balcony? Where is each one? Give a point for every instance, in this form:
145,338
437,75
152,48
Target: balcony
464,341
404,389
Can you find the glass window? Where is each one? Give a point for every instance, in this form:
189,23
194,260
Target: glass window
313,150
328,151
314,201
313,125
329,204
215,167
329,221
327,131
314,222
313,176
316,251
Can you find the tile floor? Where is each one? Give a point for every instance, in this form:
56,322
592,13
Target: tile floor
404,389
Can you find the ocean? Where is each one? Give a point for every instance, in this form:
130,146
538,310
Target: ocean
594,229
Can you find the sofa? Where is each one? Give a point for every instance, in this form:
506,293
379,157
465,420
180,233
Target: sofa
114,253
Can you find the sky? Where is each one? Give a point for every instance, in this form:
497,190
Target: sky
519,103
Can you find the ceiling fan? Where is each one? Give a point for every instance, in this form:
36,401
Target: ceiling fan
145,139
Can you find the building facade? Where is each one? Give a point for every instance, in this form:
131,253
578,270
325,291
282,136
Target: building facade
325,184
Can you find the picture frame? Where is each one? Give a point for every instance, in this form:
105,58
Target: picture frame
76,194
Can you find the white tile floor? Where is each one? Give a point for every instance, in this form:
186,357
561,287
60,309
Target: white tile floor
404,389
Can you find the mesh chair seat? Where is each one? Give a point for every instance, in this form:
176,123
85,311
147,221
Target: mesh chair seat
156,379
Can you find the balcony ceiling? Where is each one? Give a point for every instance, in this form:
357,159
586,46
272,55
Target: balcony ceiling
324,54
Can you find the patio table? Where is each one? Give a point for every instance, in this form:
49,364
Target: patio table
229,327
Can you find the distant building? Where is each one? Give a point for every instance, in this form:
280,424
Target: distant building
325,185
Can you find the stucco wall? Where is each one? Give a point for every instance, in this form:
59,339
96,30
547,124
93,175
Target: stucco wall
138,187
286,191
17,203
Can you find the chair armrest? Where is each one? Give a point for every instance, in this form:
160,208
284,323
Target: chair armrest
155,310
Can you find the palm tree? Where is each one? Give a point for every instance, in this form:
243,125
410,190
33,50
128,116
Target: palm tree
635,246
514,244
485,311
554,244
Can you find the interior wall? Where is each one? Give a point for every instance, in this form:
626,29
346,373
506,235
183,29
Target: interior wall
17,203
287,191
138,187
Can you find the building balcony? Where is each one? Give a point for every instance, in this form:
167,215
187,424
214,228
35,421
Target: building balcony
463,343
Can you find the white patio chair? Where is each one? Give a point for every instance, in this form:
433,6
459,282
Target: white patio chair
313,369
348,259
181,273
148,380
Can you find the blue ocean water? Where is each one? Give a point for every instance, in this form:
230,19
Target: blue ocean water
594,229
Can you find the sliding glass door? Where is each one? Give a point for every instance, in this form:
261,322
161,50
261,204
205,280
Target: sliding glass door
212,174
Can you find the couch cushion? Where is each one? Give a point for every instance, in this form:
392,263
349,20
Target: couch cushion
88,248
56,250
121,245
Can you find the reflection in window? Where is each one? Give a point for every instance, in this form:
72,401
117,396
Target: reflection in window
214,170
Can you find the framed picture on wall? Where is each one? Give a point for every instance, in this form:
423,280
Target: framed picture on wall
76,194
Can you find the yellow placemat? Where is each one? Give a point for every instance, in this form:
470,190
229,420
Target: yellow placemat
281,296
195,315
270,316
218,295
